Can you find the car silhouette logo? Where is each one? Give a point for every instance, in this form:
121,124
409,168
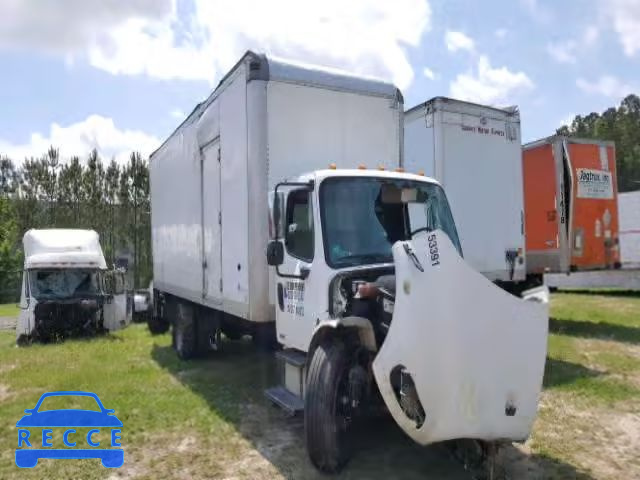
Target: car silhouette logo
67,419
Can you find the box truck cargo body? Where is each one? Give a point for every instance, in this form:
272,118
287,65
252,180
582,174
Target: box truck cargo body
571,205
266,121
361,269
474,151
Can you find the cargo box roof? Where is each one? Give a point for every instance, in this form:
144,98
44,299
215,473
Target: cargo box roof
511,110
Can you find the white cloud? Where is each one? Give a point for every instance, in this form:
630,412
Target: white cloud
80,138
150,37
564,52
490,85
539,12
458,41
428,73
54,27
606,85
625,16
501,33
567,51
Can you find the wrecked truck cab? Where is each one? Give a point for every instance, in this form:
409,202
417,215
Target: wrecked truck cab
461,358
66,287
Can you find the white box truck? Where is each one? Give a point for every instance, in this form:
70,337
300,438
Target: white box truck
363,277
474,151
67,288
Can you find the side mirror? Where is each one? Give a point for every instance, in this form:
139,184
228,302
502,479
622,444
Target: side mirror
275,253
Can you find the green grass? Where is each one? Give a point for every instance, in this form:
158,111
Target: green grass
589,342
158,399
592,380
9,310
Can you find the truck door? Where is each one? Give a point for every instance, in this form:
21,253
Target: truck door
117,307
294,278
211,222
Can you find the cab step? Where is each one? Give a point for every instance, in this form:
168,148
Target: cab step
291,403
289,395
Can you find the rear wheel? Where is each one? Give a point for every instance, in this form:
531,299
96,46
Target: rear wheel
184,332
326,408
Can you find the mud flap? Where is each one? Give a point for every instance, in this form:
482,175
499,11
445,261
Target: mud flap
472,353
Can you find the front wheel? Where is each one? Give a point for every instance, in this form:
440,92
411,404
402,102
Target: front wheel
326,414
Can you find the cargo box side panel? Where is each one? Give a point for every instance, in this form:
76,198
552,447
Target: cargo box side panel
234,196
541,214
480,165
176,216
261,307
310,128
595,209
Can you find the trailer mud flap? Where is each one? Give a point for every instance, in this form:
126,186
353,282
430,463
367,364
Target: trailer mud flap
462,358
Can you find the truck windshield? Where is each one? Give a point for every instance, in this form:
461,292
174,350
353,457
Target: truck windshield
363,217
61,283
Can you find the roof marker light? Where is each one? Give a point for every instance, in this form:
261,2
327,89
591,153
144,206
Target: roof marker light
381,167
400,170
421,173
362,167
332,166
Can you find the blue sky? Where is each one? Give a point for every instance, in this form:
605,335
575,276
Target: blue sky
121,75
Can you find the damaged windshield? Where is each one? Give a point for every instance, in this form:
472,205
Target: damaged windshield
363,217
60,283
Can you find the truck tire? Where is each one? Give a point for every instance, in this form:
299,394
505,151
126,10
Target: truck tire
157,325
184,332
324,424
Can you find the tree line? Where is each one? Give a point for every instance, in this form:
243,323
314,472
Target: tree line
622,125
47,192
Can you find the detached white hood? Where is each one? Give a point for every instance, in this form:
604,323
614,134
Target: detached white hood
475,353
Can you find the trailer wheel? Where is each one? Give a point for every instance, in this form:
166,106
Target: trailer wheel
157,325
184,332
326,416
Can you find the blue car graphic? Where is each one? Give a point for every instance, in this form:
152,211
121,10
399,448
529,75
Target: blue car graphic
110,457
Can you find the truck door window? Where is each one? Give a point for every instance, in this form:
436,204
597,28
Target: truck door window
299,227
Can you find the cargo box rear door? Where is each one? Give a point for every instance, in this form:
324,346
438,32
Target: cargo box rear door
481,170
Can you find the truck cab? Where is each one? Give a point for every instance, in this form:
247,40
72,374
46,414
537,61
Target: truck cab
67,289
375,304
335,228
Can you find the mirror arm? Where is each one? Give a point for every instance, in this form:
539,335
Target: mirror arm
304,273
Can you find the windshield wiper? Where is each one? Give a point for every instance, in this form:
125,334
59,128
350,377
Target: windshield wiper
364,258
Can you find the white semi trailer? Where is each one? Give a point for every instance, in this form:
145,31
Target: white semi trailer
67,288
475,152
363,280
